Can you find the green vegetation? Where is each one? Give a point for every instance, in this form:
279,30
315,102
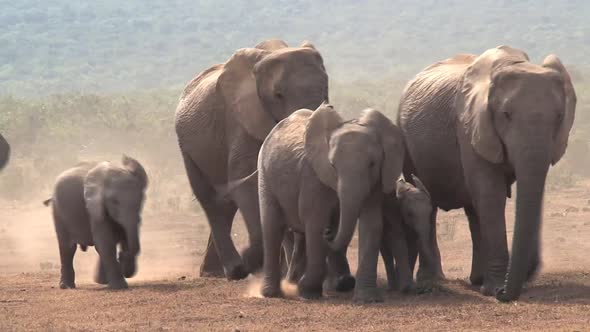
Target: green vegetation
95,79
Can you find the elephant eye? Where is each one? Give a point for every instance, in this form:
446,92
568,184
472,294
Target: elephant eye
371,164
507,115
279,95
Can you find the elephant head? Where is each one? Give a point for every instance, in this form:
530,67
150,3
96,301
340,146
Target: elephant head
416,209
115,195
354,158
263,85
518,114
4,152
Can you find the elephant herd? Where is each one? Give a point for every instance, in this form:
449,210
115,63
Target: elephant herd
258,134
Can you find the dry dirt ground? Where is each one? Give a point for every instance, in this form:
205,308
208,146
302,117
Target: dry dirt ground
167,295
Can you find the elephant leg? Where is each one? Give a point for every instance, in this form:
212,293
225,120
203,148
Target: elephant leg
431,271
386,251
220,215
311,283
412,241
490,204
298,261
370,235
107,251
211,266
241,164
477,257
273,233
67,250
101,275
246,198
394,247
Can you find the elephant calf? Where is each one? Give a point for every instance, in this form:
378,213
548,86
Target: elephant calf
406,215
314,170
99,204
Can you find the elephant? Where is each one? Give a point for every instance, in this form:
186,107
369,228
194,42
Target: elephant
222,118
4,152
406,214
99,204
474,125
408,210
316,170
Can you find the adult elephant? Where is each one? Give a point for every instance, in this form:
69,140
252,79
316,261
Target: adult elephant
4,152
222,118
472,126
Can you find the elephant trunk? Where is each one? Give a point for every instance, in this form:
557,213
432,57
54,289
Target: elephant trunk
128,257
4,152
351,201
531,175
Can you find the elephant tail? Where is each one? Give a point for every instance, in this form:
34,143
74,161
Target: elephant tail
224,191
47,201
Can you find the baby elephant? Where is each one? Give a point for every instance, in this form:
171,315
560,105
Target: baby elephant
406,214
316,170
99,204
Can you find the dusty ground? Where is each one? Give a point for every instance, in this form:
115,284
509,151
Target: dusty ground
167,294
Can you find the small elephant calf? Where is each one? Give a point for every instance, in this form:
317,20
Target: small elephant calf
406,215
99,204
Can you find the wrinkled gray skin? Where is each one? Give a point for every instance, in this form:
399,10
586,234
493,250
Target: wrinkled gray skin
315,170
408,210
4,152
407,213
472,126
222,118
99,204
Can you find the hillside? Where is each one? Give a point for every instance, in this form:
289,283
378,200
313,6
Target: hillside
109,46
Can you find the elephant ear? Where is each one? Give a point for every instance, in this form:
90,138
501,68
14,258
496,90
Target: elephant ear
135,168
308,44
271,44
553,62
240,93
402,188
472,100
392,143
94,184
316,141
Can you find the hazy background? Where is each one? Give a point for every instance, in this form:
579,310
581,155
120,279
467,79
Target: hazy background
93,80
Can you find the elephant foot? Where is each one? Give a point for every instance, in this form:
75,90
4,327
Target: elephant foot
344,283
63,284
476,279
236,272
533,270
271,291
491,288
118,284
308,290
407,287
429,286
504,297
369,295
